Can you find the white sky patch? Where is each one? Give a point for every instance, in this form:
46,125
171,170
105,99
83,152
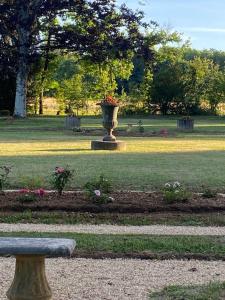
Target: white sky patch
203,29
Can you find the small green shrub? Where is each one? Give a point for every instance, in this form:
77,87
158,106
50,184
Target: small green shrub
209,193
102,184
4,174
26,195
31,182
97,191
60,178
174,192
27,198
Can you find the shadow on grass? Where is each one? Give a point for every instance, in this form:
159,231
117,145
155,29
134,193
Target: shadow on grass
63,150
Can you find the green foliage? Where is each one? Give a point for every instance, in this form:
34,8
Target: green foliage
31,182
60,178
212,291
83,80
102,184
179,85
4,174
121,244
97,191
26,195
215,92
209,193
27,198
174,192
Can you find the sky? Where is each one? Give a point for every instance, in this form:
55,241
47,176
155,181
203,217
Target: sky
201,21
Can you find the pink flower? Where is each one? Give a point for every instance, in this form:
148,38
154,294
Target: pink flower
59,170
97,193
40,192
24,191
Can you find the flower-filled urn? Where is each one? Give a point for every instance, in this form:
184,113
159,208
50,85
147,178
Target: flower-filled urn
110,109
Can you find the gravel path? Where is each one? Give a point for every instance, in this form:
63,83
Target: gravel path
82,279
113,229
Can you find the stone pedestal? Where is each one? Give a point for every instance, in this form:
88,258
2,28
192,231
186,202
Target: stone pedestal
108,145
30,282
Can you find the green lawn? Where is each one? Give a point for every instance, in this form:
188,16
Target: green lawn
122,244
177,219
203,124
195,159
212,291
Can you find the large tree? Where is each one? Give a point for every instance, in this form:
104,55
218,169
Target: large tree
95,29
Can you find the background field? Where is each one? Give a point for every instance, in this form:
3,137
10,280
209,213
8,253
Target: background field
36,145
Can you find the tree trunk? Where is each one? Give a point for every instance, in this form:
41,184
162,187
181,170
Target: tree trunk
43,75
21,90
23,31
41,101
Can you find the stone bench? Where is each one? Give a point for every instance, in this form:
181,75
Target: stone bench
30,282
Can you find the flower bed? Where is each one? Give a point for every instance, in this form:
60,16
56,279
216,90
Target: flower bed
123,202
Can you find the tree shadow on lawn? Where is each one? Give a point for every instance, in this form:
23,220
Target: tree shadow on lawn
63,150
129,170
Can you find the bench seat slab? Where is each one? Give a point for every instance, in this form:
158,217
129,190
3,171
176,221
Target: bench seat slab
36,246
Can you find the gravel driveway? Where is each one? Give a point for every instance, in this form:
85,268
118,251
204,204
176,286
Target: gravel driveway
115,229
80,279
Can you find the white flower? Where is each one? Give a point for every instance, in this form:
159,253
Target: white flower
111,199
176,191
167,185
97,193
176,184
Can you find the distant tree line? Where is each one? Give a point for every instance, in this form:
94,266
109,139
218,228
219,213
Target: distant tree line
81,51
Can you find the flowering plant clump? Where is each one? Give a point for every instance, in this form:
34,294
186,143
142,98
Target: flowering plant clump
4,174
209,193
27,195
60,178
175,192
97,191
109,100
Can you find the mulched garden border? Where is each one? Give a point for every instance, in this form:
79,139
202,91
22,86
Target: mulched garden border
124,202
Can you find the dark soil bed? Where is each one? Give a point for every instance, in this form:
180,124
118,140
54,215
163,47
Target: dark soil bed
124,202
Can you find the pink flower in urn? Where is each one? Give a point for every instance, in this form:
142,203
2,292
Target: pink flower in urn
40,192
59,170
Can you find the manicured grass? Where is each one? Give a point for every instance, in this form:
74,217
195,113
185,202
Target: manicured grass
194,159
212,291
176,245
178,219
147,164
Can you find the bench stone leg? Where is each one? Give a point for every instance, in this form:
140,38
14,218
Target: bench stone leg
30,282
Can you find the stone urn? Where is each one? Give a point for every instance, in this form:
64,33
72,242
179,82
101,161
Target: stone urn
110,109
109,114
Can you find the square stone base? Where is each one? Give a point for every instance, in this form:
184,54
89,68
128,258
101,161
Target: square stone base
105,145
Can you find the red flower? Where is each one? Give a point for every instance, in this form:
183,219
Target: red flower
109,100
59,170
40,192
